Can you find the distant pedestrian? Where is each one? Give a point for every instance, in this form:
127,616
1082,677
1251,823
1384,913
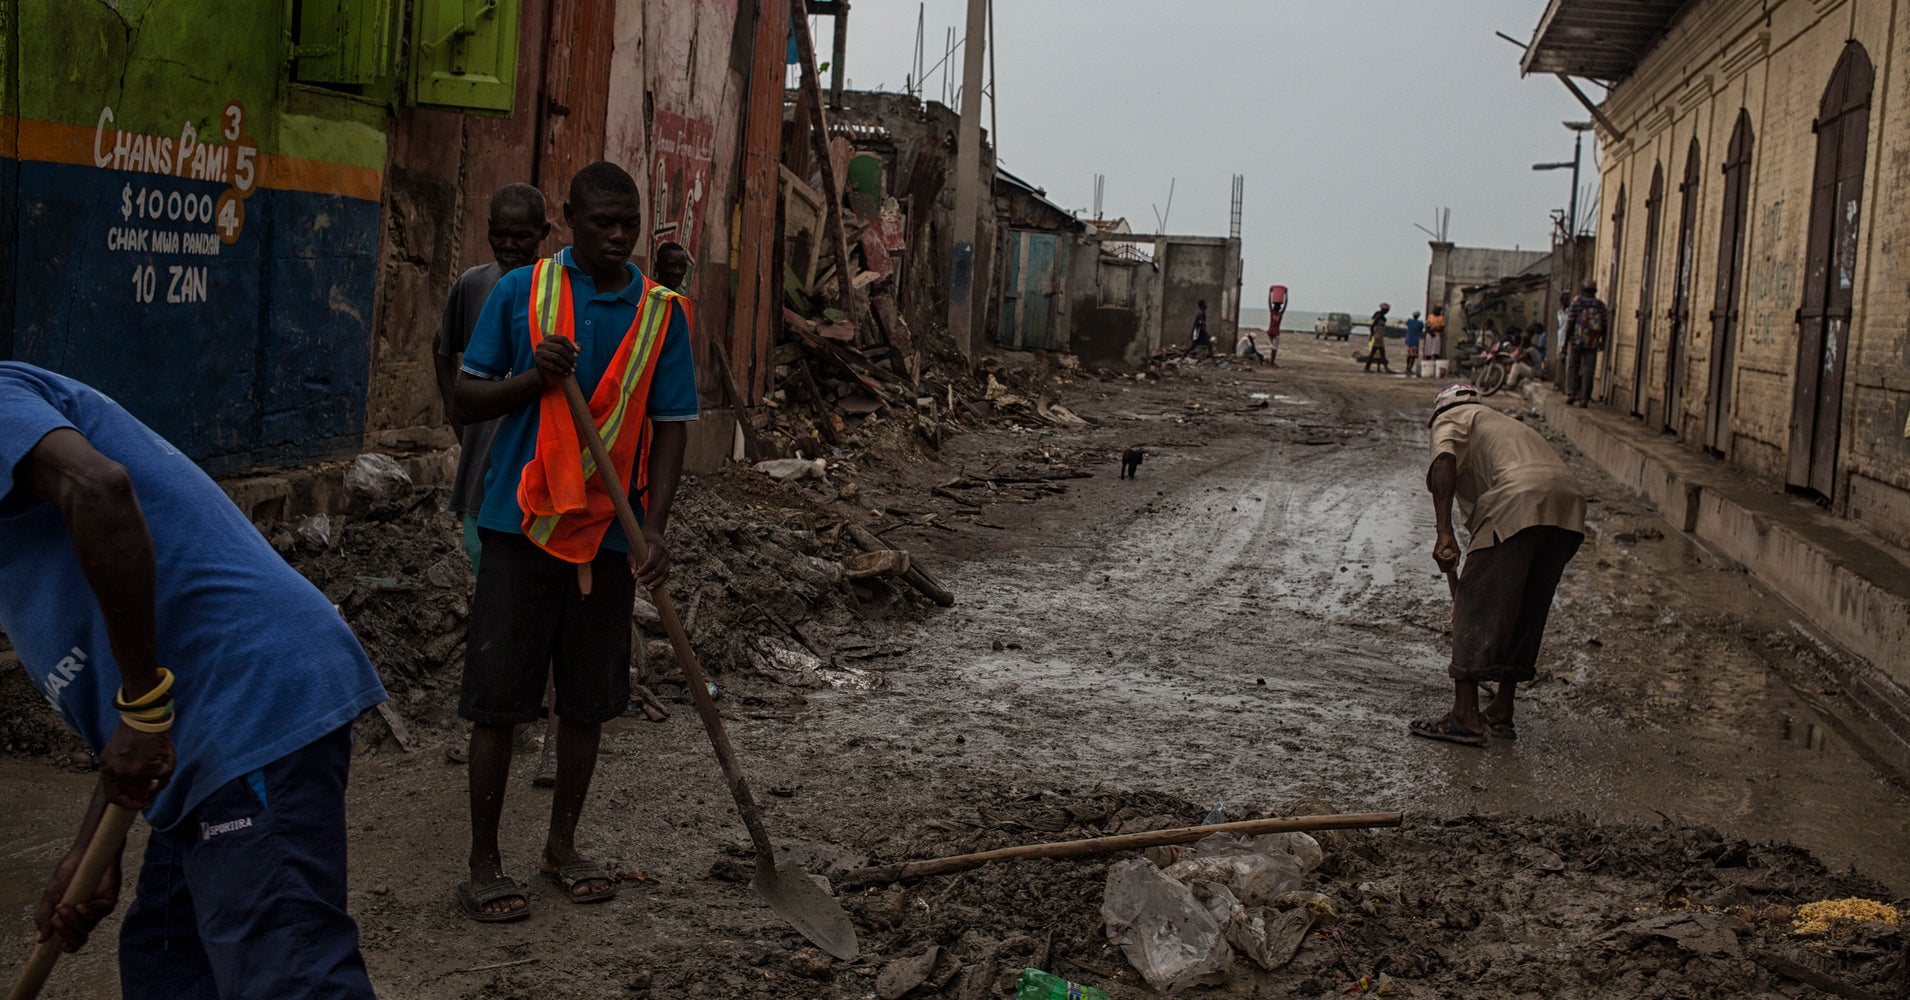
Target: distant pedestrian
673,267
1203,341
1276,311
1432,346
1527,359
1587,320
1415,331
1562,340
1525,517
1376,342
516,226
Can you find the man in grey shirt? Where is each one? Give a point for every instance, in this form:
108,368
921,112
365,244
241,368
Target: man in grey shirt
518,226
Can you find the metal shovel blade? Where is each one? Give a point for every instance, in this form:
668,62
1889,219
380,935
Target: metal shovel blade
815,914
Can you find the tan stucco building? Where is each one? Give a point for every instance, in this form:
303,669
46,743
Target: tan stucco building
1753,225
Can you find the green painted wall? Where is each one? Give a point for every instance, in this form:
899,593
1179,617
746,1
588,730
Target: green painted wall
162,63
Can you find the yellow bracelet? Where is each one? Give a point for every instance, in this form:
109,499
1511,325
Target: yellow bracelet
148,699
153,714
163,725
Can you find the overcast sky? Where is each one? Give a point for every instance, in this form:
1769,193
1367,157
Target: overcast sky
1351,120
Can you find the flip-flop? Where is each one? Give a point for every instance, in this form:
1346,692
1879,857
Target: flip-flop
1500,728
577,871
1447,729
474,898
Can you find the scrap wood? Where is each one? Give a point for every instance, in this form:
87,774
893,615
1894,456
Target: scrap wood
1093,846
819,137
397,725
500,965
1811,977
916,576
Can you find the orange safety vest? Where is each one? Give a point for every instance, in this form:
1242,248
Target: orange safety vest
566,509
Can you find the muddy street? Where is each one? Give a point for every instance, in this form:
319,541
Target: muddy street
1250,621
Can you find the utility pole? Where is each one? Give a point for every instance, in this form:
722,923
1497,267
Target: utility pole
841,53
968,170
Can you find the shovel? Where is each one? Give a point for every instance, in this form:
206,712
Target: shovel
786,887
108,837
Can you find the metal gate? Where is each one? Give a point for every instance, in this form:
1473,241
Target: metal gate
1611,293
1029,285
1681,292
1641,358
1843,129
1724,308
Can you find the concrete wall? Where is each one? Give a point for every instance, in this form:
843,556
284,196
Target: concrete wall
1773,59
185,227
1112,309
1455,268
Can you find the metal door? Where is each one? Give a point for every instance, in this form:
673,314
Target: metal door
1843,130
1028,291
1688,192
1641,358
1611,286
1724,307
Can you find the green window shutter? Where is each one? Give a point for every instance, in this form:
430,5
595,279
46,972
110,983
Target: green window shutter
343,42
464,54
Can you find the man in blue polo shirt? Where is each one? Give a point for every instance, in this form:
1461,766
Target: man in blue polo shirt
216,686
530,609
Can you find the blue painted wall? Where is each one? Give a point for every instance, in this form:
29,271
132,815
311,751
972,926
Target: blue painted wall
256,354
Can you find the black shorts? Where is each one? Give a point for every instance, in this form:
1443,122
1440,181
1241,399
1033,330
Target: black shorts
529,615
1502,602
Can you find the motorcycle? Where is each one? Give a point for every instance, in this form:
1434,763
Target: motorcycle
1495,366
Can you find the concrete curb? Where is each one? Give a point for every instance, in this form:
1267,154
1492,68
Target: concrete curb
1843,583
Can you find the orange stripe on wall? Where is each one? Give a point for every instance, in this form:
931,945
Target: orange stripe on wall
52,142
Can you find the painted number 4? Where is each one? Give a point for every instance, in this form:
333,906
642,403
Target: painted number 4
229,217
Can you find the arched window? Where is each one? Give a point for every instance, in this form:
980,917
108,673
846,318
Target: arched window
1688,192
1648,276
1724,305
1830,269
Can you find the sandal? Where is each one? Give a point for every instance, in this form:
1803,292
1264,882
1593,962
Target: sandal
474,898
1447,729
569,875
1501,727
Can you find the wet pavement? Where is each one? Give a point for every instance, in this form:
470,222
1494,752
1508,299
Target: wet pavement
1257,616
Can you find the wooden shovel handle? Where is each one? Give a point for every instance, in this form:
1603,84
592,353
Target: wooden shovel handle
666,609
108,837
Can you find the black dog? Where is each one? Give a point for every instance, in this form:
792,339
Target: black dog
1131,462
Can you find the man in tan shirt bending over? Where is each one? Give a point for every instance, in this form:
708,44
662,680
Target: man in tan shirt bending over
1526,518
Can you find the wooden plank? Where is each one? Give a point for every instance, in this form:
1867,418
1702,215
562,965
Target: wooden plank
831,178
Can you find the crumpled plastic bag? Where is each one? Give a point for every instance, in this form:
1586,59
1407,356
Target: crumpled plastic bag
1167,933
1256,868
783,469
376,476
315,531
1270,937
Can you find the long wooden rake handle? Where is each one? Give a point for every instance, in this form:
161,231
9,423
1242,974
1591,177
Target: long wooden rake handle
108,837
666,609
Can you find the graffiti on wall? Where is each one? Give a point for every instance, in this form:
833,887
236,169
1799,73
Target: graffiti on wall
175,215
683,153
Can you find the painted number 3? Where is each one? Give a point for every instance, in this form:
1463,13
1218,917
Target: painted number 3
234,122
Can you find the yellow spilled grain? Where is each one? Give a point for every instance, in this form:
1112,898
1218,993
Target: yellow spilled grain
1820,917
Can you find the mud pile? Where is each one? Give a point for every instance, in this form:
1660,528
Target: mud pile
748,562
1469,907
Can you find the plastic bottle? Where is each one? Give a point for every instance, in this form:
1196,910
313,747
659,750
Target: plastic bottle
1035,984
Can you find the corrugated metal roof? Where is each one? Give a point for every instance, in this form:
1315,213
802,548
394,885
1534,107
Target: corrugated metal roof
1598,39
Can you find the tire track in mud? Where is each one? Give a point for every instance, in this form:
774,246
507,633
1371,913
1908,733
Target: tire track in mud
1257,617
